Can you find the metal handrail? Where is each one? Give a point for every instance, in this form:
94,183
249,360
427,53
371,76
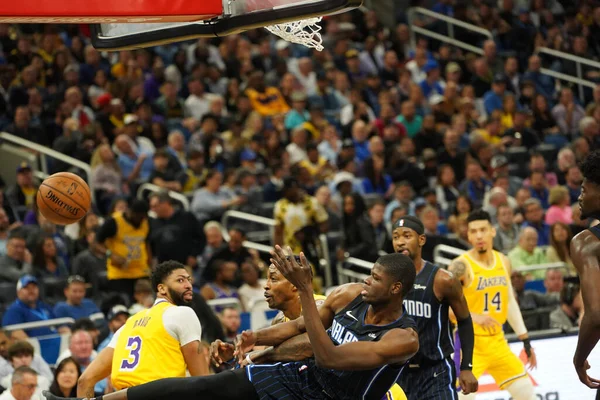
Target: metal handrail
46,151
324,262
579,80
451,22
150,187
227,302
39,324
538,267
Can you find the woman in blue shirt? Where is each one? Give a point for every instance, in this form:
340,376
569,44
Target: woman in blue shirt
376,181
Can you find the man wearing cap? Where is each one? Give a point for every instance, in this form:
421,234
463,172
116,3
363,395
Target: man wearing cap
29,308
499,166
76,305
355,74
22,193
431,374
432,84
493,99
116,317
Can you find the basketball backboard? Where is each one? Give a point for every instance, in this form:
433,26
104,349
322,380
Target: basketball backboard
237,16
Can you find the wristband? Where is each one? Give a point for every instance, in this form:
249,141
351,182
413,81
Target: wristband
527,346
248,359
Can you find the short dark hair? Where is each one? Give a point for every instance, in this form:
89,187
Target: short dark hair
84,324
139,206
479,215
590,167
400,268
162,196
17,234
20,348
162,271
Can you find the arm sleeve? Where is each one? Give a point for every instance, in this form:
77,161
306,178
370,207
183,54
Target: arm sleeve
515,318
182,324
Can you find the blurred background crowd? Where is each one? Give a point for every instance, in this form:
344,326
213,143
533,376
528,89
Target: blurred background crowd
381,124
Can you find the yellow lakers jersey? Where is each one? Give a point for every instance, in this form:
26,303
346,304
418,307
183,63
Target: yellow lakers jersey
319,299
488,292
145,352
129,242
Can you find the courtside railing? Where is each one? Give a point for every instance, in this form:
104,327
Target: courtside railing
324,262
45,152
450,23
150,187
578,80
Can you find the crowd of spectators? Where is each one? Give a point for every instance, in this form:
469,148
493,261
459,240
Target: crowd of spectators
341,142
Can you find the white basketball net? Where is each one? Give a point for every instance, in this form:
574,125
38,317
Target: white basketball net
305,32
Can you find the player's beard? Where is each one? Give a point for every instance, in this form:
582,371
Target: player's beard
177,298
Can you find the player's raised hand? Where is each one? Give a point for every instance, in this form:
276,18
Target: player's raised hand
298,273
585,378
244,342
221,352
468,382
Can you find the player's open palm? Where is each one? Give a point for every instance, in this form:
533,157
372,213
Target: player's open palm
244,342
221,352
298,273
468,382
585,378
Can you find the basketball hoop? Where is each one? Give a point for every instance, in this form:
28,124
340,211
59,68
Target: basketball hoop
305,32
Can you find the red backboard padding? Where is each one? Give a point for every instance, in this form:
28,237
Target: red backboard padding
107,11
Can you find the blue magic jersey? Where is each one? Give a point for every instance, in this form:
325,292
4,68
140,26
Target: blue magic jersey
305,380
431,317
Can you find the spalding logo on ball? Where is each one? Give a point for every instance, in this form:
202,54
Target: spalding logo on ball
63,198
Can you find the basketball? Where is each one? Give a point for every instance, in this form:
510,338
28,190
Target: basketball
63,198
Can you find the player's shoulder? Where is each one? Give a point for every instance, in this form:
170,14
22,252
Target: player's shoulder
583,240
180,314
343,295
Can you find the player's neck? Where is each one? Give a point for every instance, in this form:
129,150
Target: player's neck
484,258
384,314
419,264
292,309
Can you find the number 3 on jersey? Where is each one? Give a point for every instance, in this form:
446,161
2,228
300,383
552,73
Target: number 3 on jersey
134,345
495,302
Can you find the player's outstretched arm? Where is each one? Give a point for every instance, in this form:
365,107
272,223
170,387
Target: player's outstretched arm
451,289
396,346
98,369
584,253
277,334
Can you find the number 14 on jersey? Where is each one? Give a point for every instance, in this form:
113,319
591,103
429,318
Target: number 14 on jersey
490,303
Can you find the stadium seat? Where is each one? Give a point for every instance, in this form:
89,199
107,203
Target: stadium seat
8,292
549,151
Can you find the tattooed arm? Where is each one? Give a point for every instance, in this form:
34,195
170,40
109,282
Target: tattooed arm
295,349
459,269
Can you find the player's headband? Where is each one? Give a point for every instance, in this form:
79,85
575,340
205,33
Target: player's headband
410,222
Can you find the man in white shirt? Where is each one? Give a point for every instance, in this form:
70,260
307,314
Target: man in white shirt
173,287
24,384
6,368
20,354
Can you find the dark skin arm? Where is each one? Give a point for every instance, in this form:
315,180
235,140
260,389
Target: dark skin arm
447,288
396,346
585,250
277,334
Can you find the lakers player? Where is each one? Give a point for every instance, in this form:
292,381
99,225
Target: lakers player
156,343
485,276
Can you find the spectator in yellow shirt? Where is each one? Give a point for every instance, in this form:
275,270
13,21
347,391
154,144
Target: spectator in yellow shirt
266,100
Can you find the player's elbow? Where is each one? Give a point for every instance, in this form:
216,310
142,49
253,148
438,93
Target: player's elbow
412,345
